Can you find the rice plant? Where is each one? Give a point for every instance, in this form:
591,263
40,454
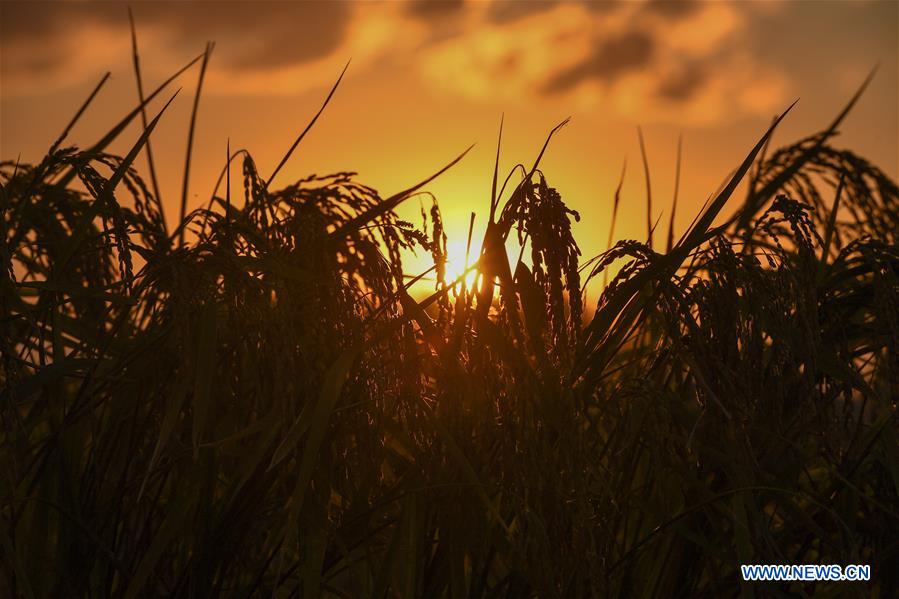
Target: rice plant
254,403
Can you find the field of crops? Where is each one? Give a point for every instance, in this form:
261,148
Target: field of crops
255,404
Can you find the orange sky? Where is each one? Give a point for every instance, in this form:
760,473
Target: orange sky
428,79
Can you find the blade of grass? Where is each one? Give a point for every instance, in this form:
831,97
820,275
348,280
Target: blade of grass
81,229
190,139
143,115
648,189
777,182
615,202
228,189
222,174
113,133
832,221
546,145
308,127
692,236
468,246
674,201
77,117
518,193
622,302
391,202
494,201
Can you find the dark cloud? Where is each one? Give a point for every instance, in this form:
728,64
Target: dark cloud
252,34
601,6
684,84
261,34
31,32
612,58
38,20
427,9
672,9
506,11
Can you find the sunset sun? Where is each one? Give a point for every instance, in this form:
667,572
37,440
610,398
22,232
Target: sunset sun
459,257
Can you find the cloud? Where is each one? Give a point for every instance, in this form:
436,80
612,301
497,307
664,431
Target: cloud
612,58
257,34
656,60
673,9
295,32
506,12
54,44
684,83
663,57
428,9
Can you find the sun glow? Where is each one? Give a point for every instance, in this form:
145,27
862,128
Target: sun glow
458,258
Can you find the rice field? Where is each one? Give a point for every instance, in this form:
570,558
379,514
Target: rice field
254,403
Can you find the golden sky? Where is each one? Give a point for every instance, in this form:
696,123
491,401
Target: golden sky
427,79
